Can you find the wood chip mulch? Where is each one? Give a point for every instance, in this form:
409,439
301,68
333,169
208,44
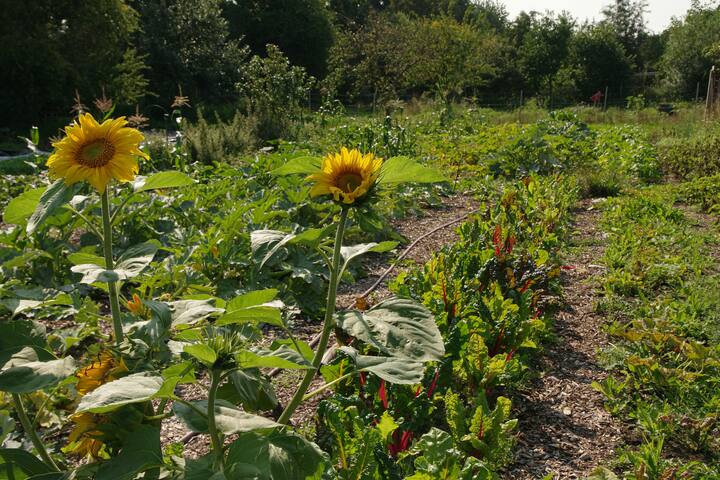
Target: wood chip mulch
564,432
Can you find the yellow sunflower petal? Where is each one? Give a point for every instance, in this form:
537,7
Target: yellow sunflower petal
97,153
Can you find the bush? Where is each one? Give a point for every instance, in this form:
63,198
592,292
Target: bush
274,92
698,156
207,143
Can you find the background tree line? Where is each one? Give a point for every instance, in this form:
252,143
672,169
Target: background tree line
142,52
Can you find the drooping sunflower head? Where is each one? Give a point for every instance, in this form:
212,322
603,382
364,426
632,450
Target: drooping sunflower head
96,152
347,175
105,368
86,438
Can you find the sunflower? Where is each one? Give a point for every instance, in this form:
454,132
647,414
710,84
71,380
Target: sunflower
347,175
105,368
97,152
85,438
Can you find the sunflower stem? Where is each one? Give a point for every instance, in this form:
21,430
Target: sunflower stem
112,286
30,432
215,438
328,324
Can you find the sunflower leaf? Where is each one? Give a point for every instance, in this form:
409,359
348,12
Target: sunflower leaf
51,200
354,251
160,180
398,370
407,170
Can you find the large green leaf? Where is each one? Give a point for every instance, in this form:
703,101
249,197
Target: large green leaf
283,357
19,209
135,388
406,170
393,369
140,452
252,299
266,243
304,165
80,258
254,315
24,373
253,390
354,251
26,462
51,200
17,334
130,264
273,456
160,180
204,353
189,312
397,327
229,419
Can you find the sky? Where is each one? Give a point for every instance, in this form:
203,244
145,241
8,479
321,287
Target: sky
658,17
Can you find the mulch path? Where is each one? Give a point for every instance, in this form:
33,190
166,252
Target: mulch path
564,432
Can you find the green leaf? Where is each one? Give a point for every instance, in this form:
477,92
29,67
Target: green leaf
23,373
204,353
393,369
386,425
17,334
169,179
253,390
19,209
274,456
189,312
266,243
80,258
140,452
253,315
251,299
354,251
405,170
397,327
130,265
18,305
28,463
51,200
283,357
302,165
135,388
228,418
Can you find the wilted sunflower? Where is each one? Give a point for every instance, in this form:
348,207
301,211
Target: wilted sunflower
347,175
97,152
85,438
104,369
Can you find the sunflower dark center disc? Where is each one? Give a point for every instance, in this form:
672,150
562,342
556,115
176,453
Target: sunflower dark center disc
96,154
348,182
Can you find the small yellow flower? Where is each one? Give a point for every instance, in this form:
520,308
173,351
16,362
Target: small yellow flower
97,152
136,306
347,175
103,370
85,438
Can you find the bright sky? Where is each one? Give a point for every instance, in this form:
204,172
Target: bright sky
658,17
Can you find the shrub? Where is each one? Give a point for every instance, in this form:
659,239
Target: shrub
213,142
698,156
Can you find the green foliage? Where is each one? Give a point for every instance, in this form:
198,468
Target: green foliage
55,48
696,156
220,141
275,92
666,357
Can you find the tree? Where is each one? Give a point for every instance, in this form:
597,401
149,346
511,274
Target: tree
598,59
301,28
627,18
689,53
187,44
542,43
52,48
